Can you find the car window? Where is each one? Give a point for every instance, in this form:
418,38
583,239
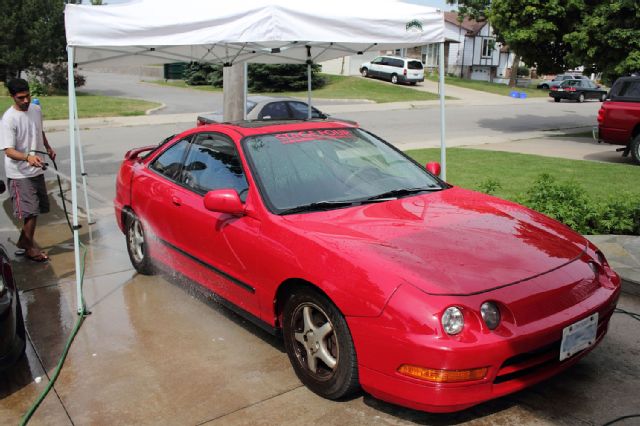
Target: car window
377,60
567,77
630,89
397,63
414,65
274,111
299,168
169,163
299,111
213,163
251,105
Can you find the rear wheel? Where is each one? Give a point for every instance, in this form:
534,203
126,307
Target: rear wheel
394,78
137,246
364,72
581,97
319,344
635,149
603,97
556,99
544,86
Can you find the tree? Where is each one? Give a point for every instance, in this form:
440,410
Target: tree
535,30
32,34
607,38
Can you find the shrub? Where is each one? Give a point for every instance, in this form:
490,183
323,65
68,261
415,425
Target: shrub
523,71
52,78
489,186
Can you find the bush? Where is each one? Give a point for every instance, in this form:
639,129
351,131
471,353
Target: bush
51,79
523,71
262,77
569,204
489,186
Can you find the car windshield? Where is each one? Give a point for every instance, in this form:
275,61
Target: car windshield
322,169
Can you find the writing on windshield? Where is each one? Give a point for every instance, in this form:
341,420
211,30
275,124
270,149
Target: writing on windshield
313,135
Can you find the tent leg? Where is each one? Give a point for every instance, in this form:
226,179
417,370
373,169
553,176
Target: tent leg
309,91
82,170
443,143
245,93
74,189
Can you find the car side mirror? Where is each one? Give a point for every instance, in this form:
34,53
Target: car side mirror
224,201
434,168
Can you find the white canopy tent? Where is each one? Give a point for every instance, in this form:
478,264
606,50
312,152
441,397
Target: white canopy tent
260,31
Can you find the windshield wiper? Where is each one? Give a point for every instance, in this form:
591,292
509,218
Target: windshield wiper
319,205
395,193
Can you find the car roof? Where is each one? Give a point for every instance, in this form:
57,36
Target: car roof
260,127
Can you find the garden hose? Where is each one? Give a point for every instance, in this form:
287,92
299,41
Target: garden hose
81,315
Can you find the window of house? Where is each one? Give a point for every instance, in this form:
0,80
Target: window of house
430,55
487,47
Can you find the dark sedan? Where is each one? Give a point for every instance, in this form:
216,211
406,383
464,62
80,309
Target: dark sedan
12,333
578,90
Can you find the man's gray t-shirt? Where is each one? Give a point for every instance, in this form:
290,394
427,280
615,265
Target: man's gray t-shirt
22,131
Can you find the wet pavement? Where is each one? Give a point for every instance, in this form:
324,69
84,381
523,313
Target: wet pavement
155,350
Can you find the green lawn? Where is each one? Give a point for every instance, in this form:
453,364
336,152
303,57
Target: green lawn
183,85
56,107
343,87
495,88
470,168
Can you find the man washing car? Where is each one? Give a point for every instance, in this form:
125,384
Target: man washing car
24,143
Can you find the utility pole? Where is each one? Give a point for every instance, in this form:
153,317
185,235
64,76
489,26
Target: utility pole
233,83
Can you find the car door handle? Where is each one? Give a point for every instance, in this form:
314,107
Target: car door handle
176,201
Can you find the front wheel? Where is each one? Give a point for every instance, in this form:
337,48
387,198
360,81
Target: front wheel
394,79
581,97
137,246
545,86
635,149
603,97
556,99
365,72
319,344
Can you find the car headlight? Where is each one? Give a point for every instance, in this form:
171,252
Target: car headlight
490,314
452,320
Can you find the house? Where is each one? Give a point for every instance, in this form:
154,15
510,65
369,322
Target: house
471,51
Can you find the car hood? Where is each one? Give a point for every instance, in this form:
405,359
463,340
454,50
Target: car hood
449,242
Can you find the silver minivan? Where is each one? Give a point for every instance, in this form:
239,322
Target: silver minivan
395,69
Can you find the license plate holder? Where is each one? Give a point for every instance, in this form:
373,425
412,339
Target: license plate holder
578,336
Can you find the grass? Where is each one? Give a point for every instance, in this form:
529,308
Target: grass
470,168
57,108
343,87
181,84
495,88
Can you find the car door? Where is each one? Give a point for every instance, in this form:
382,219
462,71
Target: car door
376,66
216,243
152,190
300,111
274,111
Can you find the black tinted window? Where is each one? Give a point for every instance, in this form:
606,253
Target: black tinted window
396,63
299,111
630,89
169,162
414,65
274,111
213,163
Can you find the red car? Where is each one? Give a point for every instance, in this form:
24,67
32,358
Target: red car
377,273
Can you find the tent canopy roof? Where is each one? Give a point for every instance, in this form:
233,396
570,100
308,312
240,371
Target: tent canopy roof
264,31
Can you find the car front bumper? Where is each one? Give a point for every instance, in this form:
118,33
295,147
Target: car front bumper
516,357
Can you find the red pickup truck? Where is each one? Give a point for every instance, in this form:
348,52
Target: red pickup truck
619,117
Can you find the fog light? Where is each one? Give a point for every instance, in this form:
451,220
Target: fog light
490,314
452,320
442,376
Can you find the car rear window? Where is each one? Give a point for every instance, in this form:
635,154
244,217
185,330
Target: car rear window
414,65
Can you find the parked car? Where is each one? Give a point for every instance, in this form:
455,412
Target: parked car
619,117
12,332
578,90
395,69
375,272
268,108
557,80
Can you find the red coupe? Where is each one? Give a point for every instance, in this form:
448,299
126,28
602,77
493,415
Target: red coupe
377,273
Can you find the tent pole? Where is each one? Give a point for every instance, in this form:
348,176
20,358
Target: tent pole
309,91
74,189
245,91
82,170
443,143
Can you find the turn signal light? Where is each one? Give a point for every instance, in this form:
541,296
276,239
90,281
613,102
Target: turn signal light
442,376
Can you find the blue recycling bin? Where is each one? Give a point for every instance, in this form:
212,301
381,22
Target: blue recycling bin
514,94
523,95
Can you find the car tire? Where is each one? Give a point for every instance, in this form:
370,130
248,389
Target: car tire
413,83
394,78
137,246
544,86
325,363
364,72
556,99
581,97
603,97
635,149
